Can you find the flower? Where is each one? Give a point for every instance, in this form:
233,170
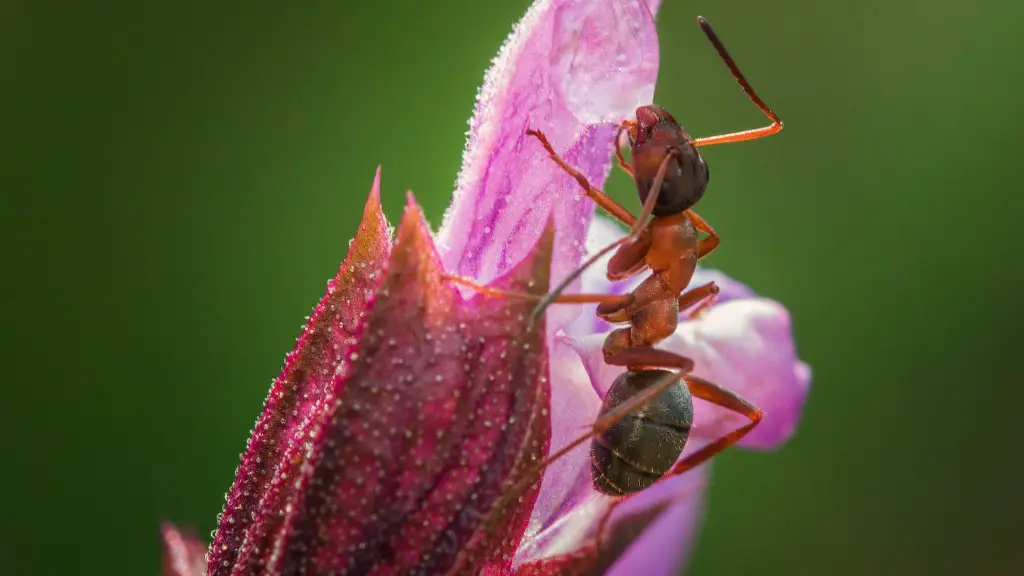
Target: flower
744,342
403,432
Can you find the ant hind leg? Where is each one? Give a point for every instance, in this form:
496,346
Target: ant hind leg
711,392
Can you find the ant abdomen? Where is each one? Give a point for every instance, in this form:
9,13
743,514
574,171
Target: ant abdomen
637,450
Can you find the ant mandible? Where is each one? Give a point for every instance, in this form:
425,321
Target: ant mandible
646,416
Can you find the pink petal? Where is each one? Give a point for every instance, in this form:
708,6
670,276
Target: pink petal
184,552
300,391
575,405
573,69
745,345
652,532
441,411
665,545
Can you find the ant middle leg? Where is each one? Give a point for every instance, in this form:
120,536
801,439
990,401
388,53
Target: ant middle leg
603,200
608,299
648,326
704,296
623,129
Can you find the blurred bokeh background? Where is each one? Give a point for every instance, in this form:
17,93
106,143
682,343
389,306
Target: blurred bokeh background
180,179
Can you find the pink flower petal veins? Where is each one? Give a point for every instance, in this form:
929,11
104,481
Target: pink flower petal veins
184,552
573,69
299,393
444,408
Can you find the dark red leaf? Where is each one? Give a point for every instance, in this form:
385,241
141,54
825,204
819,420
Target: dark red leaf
442,410
302,390
184,552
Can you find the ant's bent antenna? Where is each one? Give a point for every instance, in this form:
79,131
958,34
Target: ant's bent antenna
776,125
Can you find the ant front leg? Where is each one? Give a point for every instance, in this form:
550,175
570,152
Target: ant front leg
706,245
705,390
630,258
625,127
603,200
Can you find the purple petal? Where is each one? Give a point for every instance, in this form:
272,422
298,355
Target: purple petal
665,545
441,411
652,532
745,345
299,392
573,69
184,552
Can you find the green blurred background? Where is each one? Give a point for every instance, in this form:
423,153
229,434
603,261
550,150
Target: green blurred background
180,180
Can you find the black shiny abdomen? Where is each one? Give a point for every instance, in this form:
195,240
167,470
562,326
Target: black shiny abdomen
639,449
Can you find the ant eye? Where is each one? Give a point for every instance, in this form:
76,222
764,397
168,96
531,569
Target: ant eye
707,171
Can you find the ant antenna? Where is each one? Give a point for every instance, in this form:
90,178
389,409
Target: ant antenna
773,128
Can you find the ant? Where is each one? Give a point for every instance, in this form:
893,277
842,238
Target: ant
646,416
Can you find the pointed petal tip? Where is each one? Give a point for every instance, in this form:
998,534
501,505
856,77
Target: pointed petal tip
184,553
375,187
299,395
437,356
413,228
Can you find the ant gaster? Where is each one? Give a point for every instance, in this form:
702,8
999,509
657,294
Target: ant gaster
648,411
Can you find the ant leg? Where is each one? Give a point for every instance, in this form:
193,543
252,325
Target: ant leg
611,299
630,259
634,358
647,357
715,394
706,295
603,200
622,161
638,228
618,150
773,128
707,245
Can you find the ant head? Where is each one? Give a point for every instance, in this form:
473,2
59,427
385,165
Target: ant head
654,135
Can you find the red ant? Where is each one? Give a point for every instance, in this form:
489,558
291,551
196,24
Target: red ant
646,416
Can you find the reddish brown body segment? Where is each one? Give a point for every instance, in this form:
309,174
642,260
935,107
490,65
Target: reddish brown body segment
671,177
